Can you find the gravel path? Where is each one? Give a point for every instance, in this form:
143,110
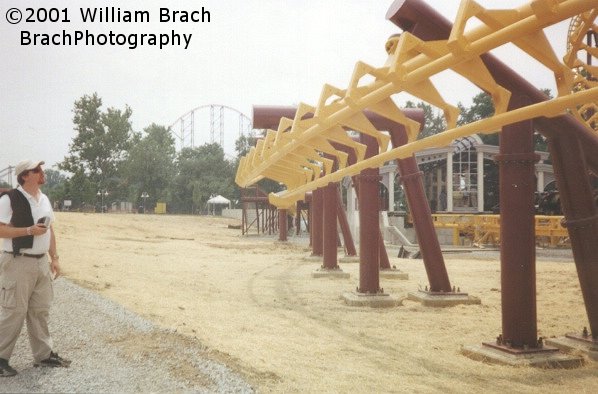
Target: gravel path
115,350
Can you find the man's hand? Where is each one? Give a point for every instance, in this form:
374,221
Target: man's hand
55,267
38,229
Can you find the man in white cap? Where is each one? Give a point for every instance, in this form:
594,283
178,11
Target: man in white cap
26,274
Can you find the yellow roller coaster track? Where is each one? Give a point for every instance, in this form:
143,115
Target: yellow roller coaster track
582,28
293,154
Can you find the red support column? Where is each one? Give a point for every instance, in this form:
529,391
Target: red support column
581,217
517,232
384,262
298,218
243,218
269,223
369,224
517,158
344,224
428,243
330,233
429,246
310,220
282,225
257,216
317,222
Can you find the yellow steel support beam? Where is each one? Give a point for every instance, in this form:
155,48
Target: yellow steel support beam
553,107
410,65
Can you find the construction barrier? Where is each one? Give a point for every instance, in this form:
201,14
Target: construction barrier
484,230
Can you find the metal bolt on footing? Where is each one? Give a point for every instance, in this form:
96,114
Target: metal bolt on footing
540,343
499,339
585,333
372,292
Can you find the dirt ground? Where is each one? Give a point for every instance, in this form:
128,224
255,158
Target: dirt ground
253,302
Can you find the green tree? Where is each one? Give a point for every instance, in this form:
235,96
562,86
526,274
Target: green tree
482,107
243,144
55,186
434,122
150,166
100,145
202,172
81,191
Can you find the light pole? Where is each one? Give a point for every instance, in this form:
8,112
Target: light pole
144,195
102,194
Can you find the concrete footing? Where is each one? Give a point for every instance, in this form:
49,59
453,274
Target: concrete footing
545,358
372,300
428,298
393,273
329,273
571,344
349,259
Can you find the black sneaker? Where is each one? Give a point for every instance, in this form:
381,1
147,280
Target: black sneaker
5,369
53,361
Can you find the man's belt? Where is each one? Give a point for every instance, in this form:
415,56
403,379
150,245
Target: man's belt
35,256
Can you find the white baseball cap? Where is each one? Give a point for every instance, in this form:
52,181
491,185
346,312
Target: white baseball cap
27,165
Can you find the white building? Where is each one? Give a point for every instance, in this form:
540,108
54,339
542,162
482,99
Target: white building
460,178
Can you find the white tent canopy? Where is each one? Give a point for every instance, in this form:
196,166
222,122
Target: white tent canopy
216,203
217,200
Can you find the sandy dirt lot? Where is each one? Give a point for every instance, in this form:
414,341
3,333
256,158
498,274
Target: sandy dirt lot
252,301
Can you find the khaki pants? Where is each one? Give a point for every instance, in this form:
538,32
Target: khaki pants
25,293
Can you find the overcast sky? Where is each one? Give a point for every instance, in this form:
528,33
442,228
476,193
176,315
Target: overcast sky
276,52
